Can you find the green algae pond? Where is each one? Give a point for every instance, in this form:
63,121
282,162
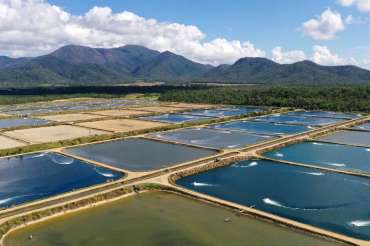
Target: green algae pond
157,218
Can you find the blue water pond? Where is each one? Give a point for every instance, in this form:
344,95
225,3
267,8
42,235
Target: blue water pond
138,154
328,114
334,156
175,118
30,177
335,202
225,112
301,120
360,138
212,138
263,127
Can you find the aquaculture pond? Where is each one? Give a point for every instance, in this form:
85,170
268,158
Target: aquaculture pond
68,105
336,156
328,114
175,118
263,127
361,138
212,138
225,112
17,122
138,154
301,120
157,218
30,177
365,126
332,201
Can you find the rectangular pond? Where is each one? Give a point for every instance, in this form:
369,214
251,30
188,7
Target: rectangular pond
18,122
336,156
365,126
30,177
263,127
212,138
300,120
360,138
335,202
225,112
175,118
157,218
328,114
68,105
138,154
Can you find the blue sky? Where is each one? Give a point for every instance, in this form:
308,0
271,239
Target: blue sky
343,36
264,22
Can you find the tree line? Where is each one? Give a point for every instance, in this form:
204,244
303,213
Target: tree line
336,98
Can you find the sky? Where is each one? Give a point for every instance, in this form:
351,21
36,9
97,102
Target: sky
328,32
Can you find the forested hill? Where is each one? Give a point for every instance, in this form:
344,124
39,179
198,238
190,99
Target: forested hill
79,65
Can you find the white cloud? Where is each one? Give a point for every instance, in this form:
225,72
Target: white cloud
362,5
325,26
349,20
324,56
33,27
280,56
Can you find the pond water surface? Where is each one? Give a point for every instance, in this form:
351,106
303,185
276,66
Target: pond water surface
30,177
332,201
336,156
138,154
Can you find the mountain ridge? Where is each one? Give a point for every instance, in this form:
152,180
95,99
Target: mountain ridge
75,65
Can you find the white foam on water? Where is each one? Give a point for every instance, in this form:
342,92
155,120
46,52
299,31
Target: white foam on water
368,149
6,200
335,164
252,164
37,155
278,154
314,173
272,202
61,160
199,184
310,127
225,131
105,174
359,223
233,146
316,143
357,182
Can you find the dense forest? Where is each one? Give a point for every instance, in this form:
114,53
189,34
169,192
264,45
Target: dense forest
337,98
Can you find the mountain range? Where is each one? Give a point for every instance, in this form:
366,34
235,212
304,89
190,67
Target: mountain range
79,65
